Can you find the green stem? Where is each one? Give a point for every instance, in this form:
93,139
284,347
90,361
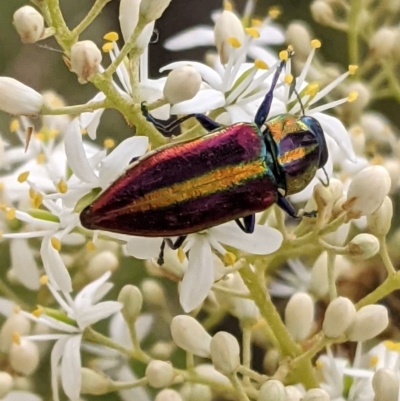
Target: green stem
136,345
240,393
63,34
117,385
331,275
392,79
89,18
246,350
353,27
77,109
383,252
251,374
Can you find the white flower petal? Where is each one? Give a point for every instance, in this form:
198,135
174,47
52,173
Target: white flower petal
6,307
115,163
97,312
86,295
262,241
199,276
261,53
17,395
238,114
56,355
337,131
143,247
71,367
45,337
76,155
200,35
90,120
271,34
24,264
207,73
205,100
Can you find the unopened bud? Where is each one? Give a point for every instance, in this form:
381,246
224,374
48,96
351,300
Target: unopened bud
363,246
190,335
367,191
392,166
182,83
227,26
24,356
168,395
322,12
101,263
225,353
132,301
298,35
160,374
151,10
357,137
316,394
85,59
162,350
15,323
19,99
128,17
6,384
271,361
319,285
94,383
196,392
29,24
382,42
370,321
380,221
272,390
339,316
299,316
356,107
153,293
386,385
293,394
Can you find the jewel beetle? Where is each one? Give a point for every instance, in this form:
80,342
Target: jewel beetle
231,173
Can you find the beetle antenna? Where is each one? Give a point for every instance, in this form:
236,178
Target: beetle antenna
327,182
293,89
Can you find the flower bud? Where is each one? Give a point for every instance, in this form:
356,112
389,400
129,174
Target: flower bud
132,301
182,83
367,191
386,385
144,38
160,374
6,384
379,222
316,394
299,316
356,107
168,395
271,361
339,315
225,353
128,17
322,12
85,60
162,350
319,285
370,321
272,390
293,394
94,383
190,335
15,323
101,263
29,24
298,35
363,246
227,26
24,356
382,42
19,99
151,10
196,392
392,166
153,293
357,137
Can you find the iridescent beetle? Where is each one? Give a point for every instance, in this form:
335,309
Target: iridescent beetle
231,173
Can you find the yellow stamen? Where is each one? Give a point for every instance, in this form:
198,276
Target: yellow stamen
55,243
373,361
44,280
353,69
181,255
234,42
1,186
62,187
32,193
107,47
312,89
109,143
319,364
261,65
40,136
228,6
229,258
111,36
53,133
352,96
16,338
90,246
3,207
10,214
290,48
23,177
83,131
16,309
37,312
316,44
274,12
284,55
40,158
288,79
14,125
256,22
37,200
253,32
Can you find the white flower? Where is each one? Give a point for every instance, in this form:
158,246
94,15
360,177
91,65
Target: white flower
199,276
82,312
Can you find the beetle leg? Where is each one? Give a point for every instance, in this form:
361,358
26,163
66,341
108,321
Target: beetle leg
265,107
248,223
284,204
173,245
206,122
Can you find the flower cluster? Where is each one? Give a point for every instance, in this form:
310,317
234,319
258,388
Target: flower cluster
280,216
